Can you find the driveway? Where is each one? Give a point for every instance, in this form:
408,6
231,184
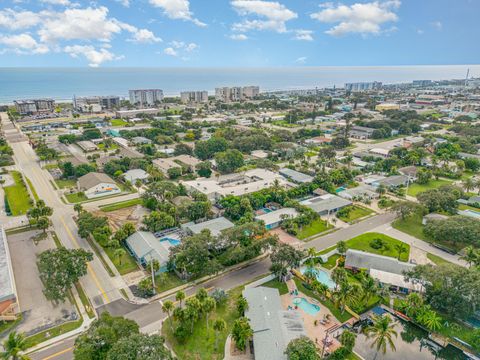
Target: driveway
37,311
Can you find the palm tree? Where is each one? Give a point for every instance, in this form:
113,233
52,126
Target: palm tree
167,308
430,319
382,332
192,311
311,252
347,339
219,325
370,288
13,346
468,184
381,190
413,304
119,254
180,296
401,248
347,294
320,288
242,305
78,208
471,255
241,332
339,276
207,307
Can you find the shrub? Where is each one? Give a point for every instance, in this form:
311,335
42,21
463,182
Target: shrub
377,243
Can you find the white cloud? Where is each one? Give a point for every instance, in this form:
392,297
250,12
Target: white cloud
271,15
177,10
170,51
23,44
94,56
420,31
191,47
301,60
144,36
239,37
16,20
361,18
57,2
303,35
125,3
437,25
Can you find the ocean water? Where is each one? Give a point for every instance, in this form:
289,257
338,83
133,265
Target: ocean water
63,83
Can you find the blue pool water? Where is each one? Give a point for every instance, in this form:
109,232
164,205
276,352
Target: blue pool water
173,242
306,306
322,276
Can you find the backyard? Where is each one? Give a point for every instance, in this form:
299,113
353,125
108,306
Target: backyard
118,122
124,264
66,183
201,344
17,195
167,281
76,197
364,242
316,227
352,213
416,188
120,205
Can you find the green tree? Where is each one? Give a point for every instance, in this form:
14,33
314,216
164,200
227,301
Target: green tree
471,255
208,305
339,276
382,331
204,169
228,161
158,220
342,247
140,347
119,254
302,348
193,308
242,305
347,339
284,257
405,209
167,307
78,208
430,319
102,336
60,269
180,296
43,223
219,325
241,333
13,346
401,248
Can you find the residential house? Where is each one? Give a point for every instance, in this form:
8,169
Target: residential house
135,174
359,192
410,171
273,328
96,185
295,176
87,146
145,247
273,219
394,181
216,226
326,204
361,132
182,161
140,140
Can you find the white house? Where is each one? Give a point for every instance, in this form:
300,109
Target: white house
96,185
135,174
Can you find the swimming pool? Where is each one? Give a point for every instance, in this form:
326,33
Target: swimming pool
306,306
321,276
173,242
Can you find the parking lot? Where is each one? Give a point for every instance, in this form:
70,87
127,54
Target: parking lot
37,312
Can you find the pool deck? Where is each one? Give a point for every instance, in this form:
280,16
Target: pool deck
316,333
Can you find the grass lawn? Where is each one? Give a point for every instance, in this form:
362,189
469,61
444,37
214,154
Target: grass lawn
53,332
17,195
201,344
284,123
328,303
357,212
120,205
467,207
75,198
101,146
66,183
362,242
125,264
118,122
415,188
327,250
316,227
412,226
437,259
332,261
32,189
281,286
167,281
85,301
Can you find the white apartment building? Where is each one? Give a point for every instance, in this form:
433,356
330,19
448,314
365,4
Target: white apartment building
95,103
363,86
145,97
194,97
233,94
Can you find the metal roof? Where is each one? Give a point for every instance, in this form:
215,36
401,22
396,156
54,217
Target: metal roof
216,226
326,202
295,176
145,245
273,328
276,216
7,281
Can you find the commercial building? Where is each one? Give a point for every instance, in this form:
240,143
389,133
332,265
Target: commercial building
326,204
96,185
9,308
363,86
35,106
194,97
273,328
145,97
235,184
233,94
361,132
95,103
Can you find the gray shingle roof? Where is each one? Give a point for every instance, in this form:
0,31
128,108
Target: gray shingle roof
326,202
273,328
215,226
364,260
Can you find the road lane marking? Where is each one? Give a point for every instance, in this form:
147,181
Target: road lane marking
58,353
92,272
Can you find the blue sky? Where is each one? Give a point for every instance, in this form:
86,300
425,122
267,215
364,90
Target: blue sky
238,33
